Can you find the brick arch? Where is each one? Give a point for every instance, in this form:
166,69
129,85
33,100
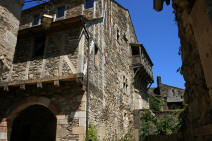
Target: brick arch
15,109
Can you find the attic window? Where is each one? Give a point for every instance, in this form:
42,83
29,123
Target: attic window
36,20
39,46
60,12
135,50
89,4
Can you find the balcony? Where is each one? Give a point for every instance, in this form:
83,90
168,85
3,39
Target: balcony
140,59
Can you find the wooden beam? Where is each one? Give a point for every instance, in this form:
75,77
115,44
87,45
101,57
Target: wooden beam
6,88
56,83
39,85
43,80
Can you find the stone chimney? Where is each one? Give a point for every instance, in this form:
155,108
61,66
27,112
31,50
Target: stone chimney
158,80
10,13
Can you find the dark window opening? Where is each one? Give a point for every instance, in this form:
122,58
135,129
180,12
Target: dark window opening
89,4
125,38
39,46
118,34
60,12
135,50
96,55
36,20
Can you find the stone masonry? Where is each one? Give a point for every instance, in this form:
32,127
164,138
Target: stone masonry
172,96
87,68
10,12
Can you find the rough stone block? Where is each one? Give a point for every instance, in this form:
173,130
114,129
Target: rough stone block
79,130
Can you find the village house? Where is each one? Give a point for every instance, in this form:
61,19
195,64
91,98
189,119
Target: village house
173,97
85,68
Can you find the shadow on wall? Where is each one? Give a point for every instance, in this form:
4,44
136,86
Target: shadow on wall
41,46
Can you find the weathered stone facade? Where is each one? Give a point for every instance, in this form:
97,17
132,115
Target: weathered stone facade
87,69
10,12
172,96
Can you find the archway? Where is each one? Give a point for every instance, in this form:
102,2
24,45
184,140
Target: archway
35,123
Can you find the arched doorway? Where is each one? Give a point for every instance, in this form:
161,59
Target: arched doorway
35,123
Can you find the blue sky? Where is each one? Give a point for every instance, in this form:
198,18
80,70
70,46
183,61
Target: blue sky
158,32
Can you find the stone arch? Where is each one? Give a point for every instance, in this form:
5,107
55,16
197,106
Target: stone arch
28,102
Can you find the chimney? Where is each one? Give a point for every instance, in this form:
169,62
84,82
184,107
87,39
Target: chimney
10,13
158,80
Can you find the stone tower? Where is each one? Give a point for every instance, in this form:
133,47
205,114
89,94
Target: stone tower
10,12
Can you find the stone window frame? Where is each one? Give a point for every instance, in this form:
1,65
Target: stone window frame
56,13
124,83
33,19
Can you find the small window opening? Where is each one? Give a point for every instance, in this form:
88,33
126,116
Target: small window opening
135,50
125,38
36,20
96,56
89,4
118,34
125,84
39,46
60,12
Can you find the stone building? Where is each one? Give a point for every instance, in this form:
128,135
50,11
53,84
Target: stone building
9,25
172,96
86,68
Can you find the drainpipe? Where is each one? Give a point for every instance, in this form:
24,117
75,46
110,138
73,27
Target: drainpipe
88,66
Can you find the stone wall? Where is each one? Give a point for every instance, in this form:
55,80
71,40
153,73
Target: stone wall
60,57
67,103
194,31
10,12
111,79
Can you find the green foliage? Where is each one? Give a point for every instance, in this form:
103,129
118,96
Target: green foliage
153,125
92,133
147,123
155,104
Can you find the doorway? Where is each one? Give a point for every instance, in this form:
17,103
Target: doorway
35,123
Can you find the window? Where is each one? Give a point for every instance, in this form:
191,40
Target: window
135,50
60,12
125,37
117,35
39,46
36,20
125,84
96,56
89,4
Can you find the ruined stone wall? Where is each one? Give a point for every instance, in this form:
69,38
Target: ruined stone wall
67,103
195,32
10,12
60,57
